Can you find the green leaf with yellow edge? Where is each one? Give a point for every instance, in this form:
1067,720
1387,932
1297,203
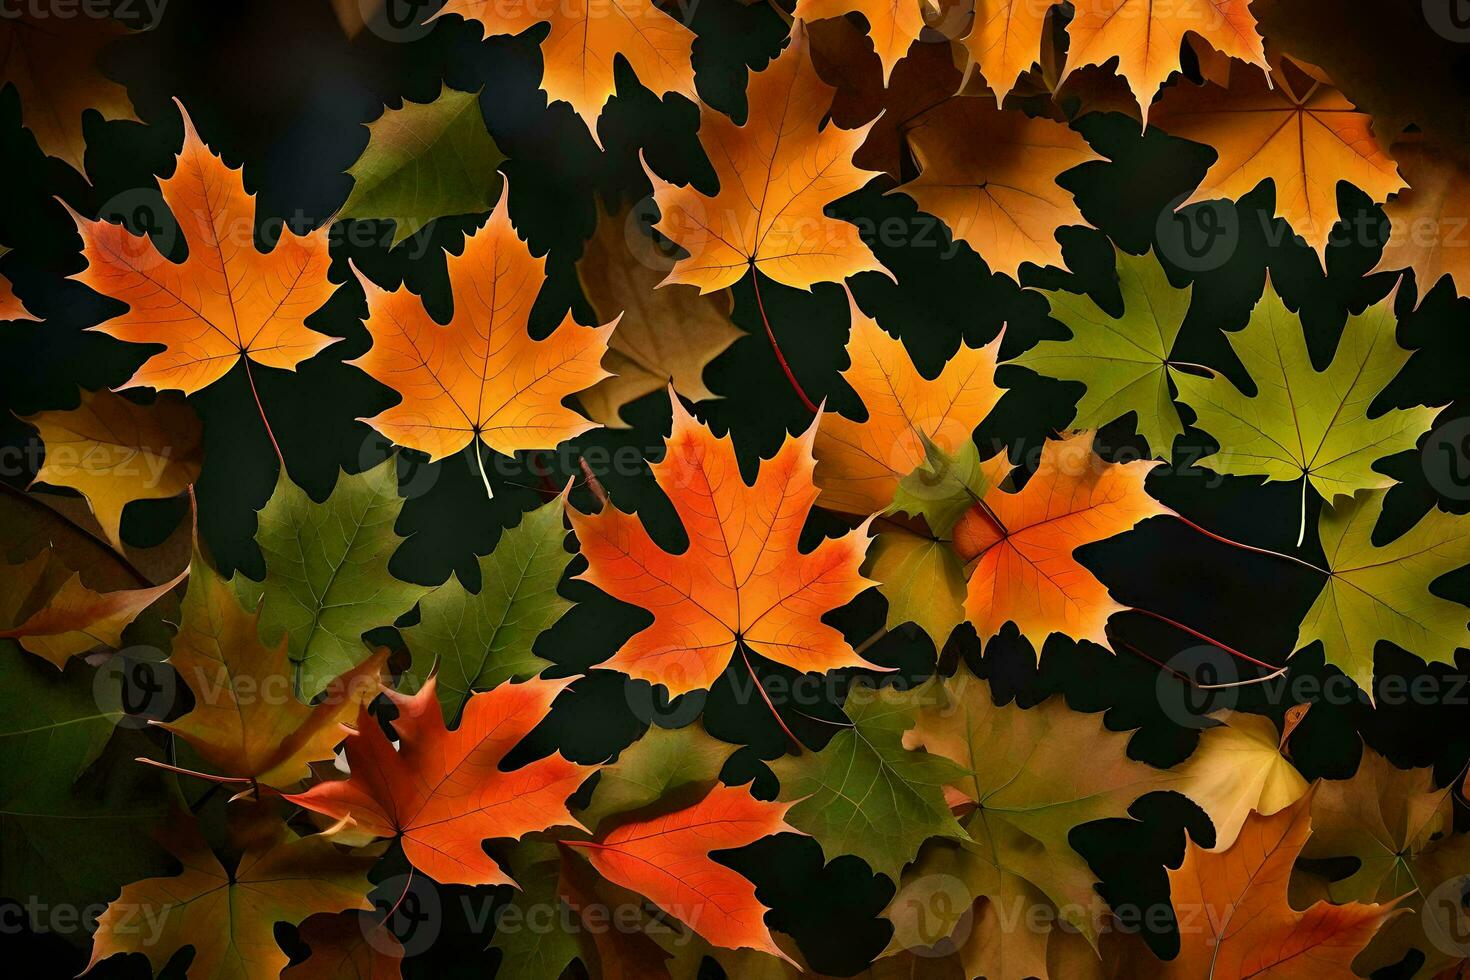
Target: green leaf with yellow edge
481,639
923,580
327,581
1033,775
1123,361
1399,826
425,161
865,793
1303,422
1382,593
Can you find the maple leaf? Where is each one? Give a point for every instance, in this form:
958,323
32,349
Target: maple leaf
76,815
664,336
860,464
481,378
1145,38
990,175
246,720
229,917
326,572
227,300
925,79
1031,775
1399,827
114,451
11,306
1243,925
1382,592
1005,40
1305,143
479,640
1237,768
442,792
1019,545
664,763
423,161
45,606
666,859
1425,219
777,173
865,793
55,72
347,946
741,580
1302,423
893,25
585,40
1124,362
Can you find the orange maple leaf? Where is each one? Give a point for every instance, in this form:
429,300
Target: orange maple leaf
990,175
1005,40
1145,36
1305,143
443,791
741,579
227,300
859,464
1427,220
777,173
482,376
11,307
1242,923
666,859
586,39
1021,543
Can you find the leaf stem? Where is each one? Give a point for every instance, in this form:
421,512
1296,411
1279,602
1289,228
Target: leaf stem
1301,534
767,698
1208,639
383,923
755,282
480,461
260,407
1250,547
243,780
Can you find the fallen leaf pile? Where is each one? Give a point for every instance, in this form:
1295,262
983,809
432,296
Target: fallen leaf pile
657,489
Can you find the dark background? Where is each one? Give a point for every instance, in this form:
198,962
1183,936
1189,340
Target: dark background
274,85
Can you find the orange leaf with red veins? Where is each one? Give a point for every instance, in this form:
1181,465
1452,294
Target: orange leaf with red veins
1305,143
586,38
893,25
482,376
442,791
666,859
1145,35
227,300
859,464
1240,922
1023,565
990,175
1005,40
777,173
741,577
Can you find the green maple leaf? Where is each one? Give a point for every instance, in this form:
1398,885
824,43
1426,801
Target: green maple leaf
539,951
661,764
327,580
1033,774
1303,422
425,161
1123,361
865,794
923,580
77,815
481,639
1383,592
941,488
